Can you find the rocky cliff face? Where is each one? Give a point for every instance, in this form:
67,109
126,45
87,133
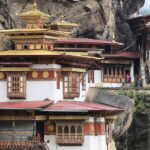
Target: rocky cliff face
97,18
138,135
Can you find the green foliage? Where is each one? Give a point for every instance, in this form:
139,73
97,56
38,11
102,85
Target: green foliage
138,98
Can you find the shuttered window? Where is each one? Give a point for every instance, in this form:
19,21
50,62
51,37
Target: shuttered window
69,133
71,82
16,85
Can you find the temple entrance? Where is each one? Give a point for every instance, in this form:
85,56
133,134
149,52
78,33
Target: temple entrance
40,130
20,135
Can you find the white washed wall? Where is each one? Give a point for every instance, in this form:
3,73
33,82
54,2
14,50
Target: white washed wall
97,79
46,66
132,72
39,90
112,85
90,143
36,90
3,91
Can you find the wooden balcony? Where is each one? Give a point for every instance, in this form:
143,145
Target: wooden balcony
16,95
70,139
112,79
22,145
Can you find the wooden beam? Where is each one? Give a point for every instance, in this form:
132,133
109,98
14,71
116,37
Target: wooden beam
15,69
73,64
22,118
69,69
68,117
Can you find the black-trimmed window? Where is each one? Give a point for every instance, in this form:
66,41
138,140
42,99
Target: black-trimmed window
69,133
26,46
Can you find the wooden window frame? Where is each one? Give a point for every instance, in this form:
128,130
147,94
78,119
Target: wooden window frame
73,136
71,85
16,85
113,73
58,80
91,76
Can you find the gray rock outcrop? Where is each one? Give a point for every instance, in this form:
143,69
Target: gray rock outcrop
124,120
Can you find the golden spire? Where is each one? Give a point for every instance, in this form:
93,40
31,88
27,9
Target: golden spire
62,18
34,5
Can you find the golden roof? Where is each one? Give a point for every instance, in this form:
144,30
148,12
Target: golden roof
23,30
45,53
29,53
81,55
53,33
34,13
65,23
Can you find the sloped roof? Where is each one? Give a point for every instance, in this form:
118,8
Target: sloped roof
23,105
60,106
85,41
75,106
123,55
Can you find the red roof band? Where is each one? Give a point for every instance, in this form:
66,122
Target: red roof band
25,105
85,41
123,55
60,106
75,106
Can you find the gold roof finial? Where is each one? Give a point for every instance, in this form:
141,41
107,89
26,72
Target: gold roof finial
34,5
62,18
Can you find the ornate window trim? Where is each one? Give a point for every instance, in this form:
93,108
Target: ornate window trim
71,85
69,133
16,85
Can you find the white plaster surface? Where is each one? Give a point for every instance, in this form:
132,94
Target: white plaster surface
100,119
39,90
35,91
3,91
112,85
132,72
90,143
46,66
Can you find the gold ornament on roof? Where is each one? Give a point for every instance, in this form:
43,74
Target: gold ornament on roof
34,5
34,13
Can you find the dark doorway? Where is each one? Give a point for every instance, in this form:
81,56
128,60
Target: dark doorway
40,129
